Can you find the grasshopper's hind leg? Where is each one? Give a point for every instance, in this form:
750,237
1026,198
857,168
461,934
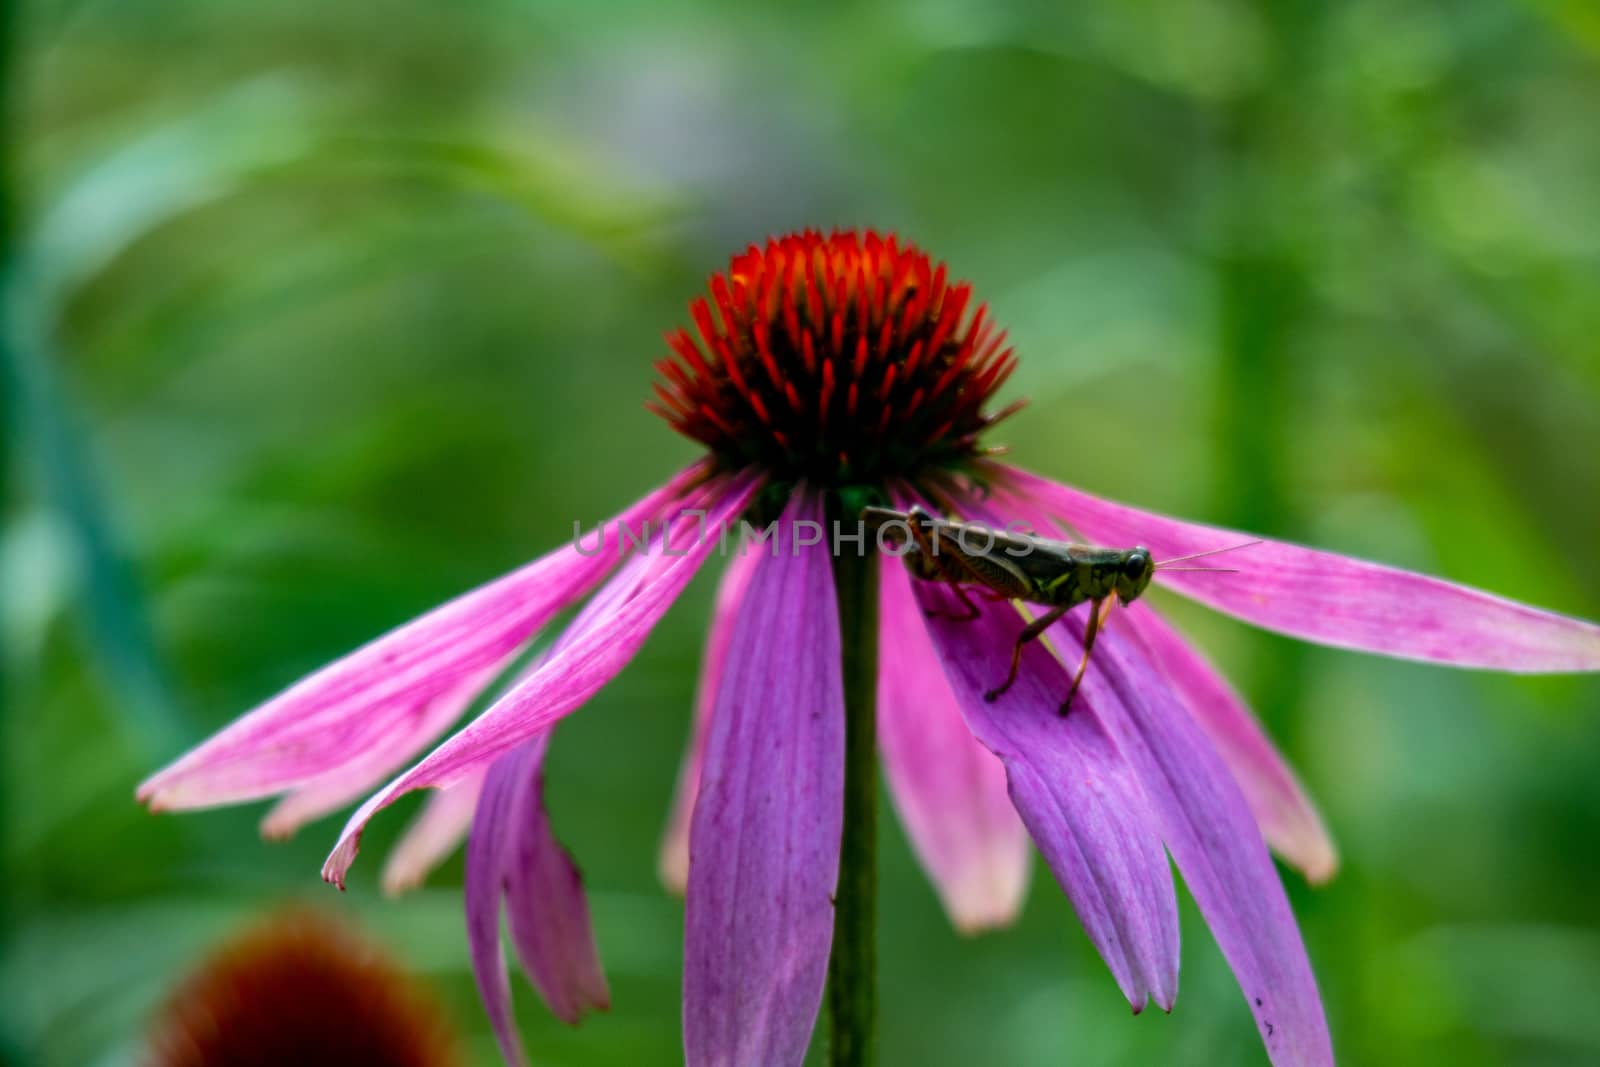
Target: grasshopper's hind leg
941,567
1097,618
1029,632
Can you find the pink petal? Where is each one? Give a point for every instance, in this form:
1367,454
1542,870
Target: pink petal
338,714
949,790
1333,599
765,840
1285,815
592,656
1212,835
511,853
1079,799
339,788
1283,811
443,823
674,860
432,835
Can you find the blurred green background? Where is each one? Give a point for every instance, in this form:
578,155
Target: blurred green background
319,313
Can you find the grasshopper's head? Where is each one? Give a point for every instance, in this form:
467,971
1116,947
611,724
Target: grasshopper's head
1134,574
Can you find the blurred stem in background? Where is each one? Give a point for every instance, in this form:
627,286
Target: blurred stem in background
1263,295
36,416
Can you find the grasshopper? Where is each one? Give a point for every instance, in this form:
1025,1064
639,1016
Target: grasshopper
1056,575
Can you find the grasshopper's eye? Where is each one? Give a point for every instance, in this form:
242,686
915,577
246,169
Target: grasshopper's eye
1136,564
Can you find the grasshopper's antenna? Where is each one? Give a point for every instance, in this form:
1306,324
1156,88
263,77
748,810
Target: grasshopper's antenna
1208,552
1199,570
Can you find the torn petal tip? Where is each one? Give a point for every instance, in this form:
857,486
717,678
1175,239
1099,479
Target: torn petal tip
149,793
598,999
333,873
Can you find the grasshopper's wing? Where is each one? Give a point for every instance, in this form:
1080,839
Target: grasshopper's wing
1045,560
984,564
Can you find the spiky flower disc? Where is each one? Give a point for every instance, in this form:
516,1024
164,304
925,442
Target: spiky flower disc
844,359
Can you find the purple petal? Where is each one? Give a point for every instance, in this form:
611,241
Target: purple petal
512,853
486,852
1282,810
341,712
545,902
1212,835
1333,599
1284,813
949,790
1078,797
432,835
592,655
765,839
674,859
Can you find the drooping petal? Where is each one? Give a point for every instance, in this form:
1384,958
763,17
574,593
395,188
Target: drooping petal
339,713
343,785
486,851
444,821
515,857
433,834
1212,835
949,790
591,657
1077,795
1283,811
767,822
550,926
512,853
1333,599
674,858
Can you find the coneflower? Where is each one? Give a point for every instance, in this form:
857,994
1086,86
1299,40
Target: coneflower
824,374
299,990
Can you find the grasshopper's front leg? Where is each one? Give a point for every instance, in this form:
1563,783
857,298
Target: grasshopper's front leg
1029,632
1097,618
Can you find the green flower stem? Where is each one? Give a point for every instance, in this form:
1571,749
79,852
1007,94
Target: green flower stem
852,969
